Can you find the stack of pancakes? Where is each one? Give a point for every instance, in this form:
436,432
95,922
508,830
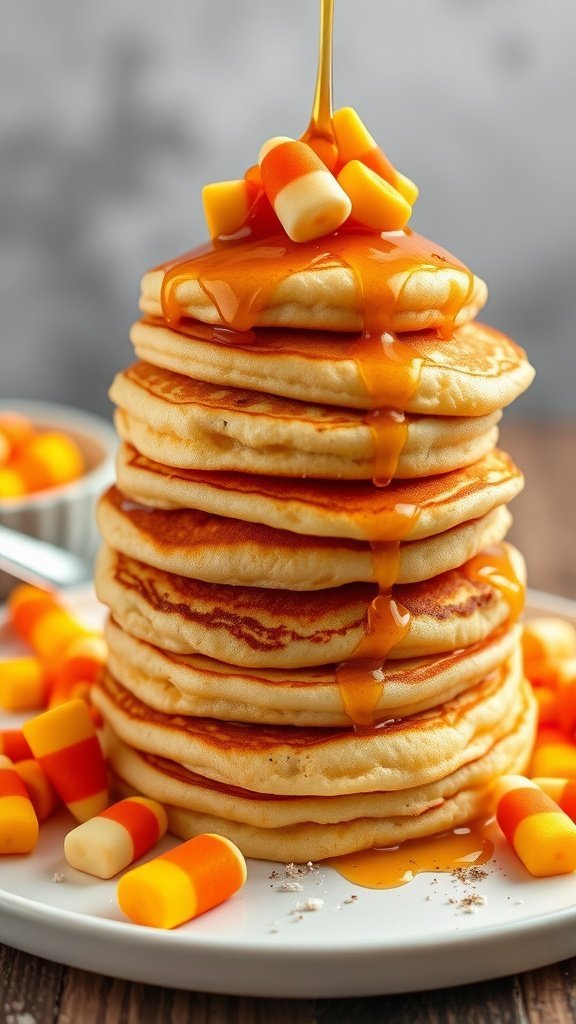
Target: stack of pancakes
312,635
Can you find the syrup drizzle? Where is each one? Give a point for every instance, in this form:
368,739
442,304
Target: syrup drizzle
494,566
394,866
320,132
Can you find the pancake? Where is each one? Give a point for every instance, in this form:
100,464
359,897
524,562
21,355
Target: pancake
256,627
222,550
190,424
405,282
472,373
301,829
323,508
194,685
284,760
310,841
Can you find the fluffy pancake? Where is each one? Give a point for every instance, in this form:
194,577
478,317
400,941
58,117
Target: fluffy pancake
326,508
190,424
194,685
472,373
217,549
256,627
451,803
284,760
300,829
405,282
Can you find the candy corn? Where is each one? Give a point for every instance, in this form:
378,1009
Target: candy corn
562,792
26,605
554,754
12,483
375,202
49,460
306,197
23,684
547,701
116,837
227,205
182,883
541,834
79,667
64,741
14,745
16,429
40,790
18,822
356,143
545,642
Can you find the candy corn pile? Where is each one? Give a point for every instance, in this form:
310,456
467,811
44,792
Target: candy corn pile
294,186
33,460
56,758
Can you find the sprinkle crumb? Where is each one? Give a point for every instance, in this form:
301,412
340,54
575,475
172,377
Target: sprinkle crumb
289,886
291,870
428,898
314,903
469,903
274,874
57,876
351,899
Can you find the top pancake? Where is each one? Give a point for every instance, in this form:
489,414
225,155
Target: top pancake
474,372
398,279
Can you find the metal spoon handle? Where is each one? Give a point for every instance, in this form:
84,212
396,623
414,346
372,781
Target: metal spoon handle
37,562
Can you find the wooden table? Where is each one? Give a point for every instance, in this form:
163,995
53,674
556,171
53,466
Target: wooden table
34,991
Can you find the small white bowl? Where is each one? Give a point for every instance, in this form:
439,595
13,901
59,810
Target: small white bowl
65,515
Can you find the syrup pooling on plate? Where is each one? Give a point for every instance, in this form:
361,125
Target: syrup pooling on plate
495,567
397,865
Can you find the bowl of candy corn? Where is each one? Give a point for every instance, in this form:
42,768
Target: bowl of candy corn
54,462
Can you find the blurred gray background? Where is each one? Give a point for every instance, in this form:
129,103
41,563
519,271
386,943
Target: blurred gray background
114,114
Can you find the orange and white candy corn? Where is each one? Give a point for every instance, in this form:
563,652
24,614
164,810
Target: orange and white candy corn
23,684
182,883
14,745
356,143
375,202
12,483
42,622
545,642
541,834
554,754
562,792
78,668
227,205
64,741
49,460
116,837
18,821
306,197
40,790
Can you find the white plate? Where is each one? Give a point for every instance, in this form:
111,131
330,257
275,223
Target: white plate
397,940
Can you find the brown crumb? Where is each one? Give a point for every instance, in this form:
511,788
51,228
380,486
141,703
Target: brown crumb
351,899
471,901
470,875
